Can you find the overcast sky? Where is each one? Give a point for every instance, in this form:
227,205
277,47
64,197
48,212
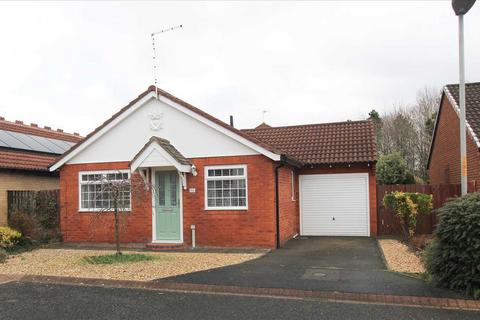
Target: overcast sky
72,65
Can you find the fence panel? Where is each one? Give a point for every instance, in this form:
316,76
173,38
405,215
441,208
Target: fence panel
32,202
389,224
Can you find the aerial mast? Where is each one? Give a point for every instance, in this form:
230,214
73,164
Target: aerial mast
155,54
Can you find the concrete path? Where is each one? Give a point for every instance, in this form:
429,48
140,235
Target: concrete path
341,264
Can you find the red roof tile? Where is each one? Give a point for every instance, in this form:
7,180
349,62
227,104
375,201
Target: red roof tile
324,143
19,126
21,160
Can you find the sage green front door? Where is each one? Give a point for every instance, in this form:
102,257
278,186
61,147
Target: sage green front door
167,206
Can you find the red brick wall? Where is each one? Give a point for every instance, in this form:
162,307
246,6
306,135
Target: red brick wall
254,227
77,226
445,159
372,180
289,213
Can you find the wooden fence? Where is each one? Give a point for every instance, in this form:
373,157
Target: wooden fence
389,224
45,202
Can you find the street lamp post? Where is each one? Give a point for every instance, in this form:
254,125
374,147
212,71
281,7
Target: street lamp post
461,7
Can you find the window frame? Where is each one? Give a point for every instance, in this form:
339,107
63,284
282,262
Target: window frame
292,185
86,210
207,178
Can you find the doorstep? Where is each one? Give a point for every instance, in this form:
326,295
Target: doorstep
165,246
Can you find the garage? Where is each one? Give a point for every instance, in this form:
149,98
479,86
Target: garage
334,204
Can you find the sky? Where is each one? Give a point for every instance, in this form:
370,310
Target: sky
71,65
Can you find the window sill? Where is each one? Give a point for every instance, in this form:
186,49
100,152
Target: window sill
102,211
226,209
225,212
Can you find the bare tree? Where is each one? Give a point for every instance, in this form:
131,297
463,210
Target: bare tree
398,135
424,114
112,193
408,130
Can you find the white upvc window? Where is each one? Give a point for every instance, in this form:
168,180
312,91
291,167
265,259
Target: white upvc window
96,187
226,187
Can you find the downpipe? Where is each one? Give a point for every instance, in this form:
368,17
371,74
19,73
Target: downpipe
277,206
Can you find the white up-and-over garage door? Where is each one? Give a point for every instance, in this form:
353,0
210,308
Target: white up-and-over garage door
334,204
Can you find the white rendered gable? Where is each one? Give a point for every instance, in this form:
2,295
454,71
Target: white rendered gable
192,137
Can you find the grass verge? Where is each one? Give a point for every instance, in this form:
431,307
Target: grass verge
123,258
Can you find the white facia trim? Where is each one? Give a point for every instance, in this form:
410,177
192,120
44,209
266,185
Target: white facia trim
102,131
142,101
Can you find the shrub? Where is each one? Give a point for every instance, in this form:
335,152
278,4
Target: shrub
407,205
9,237
27,224
453,257
46,210
3,255
392,169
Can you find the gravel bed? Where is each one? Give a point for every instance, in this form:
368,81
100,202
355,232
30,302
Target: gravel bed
69,262
400,257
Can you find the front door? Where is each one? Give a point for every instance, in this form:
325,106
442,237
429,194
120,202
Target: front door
167,207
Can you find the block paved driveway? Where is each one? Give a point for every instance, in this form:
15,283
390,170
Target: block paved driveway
344,264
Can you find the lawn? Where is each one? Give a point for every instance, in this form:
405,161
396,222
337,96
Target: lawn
119,258
133,265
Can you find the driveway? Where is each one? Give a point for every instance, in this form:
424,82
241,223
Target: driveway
345,264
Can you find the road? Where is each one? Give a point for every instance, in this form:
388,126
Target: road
23,300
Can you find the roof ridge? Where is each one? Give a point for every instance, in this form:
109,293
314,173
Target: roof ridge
467,83
18,124
308,125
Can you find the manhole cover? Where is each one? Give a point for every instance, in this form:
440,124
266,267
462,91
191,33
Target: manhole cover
323,274
319,274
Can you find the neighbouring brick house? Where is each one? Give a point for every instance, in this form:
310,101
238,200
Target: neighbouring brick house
239,188
444,160
26,152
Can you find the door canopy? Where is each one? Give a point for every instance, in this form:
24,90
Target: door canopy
159,152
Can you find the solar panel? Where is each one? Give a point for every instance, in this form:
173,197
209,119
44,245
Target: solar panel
2,143
31,143
12,142
49,144
61,144
16,140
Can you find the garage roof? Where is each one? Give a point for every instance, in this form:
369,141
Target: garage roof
323,143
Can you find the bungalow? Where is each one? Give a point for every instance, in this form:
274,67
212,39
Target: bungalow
26,152
444,158
237,188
